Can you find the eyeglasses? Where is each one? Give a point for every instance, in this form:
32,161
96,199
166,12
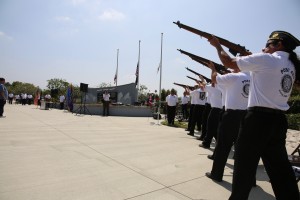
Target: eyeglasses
271,42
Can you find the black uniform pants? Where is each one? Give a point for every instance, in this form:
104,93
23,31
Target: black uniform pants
263,135
184,111
191,116
205,115
105,108
171,111
197,117
212,125
227,135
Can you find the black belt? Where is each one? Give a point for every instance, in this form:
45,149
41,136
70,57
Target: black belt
230,110
265,110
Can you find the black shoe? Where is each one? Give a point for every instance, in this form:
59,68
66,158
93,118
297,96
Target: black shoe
204,146
209,175
200,138
191,133
210,157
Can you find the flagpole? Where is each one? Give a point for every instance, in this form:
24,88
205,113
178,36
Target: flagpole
160,63
117,67
138,81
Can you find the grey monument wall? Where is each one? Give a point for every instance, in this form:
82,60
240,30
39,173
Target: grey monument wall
125,94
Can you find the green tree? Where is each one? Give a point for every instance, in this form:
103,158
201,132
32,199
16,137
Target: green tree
19,87
56,83
142,95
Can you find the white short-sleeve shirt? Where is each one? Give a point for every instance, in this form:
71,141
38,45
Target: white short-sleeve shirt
172,100
215,96
237,89
198,97
272,78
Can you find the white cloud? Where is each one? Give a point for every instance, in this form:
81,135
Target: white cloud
63,19
112,15
5,36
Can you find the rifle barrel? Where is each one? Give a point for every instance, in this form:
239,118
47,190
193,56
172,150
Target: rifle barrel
234,49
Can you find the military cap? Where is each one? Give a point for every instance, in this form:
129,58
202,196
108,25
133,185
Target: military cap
288,38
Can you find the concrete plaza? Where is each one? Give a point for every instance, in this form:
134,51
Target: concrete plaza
53,154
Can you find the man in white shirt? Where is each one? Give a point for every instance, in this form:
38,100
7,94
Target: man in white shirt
184,105
172,101
62,101
106,100
10,98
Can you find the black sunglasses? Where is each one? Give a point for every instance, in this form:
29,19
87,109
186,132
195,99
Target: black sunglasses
271,42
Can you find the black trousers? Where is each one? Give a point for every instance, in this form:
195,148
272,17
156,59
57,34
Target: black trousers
184,111
2,103
62,104
212,125
205,115
227,135
263,135
171,111
197,117
191,116
105,108
10,100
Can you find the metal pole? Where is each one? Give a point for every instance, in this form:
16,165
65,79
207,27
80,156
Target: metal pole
117,67
138,75
160,66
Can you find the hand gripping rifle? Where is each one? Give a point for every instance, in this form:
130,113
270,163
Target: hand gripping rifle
220,68
234,49
184,86
208,80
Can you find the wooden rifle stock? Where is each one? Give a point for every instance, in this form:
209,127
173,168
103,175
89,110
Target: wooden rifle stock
234,49
208,80
184,86
220,68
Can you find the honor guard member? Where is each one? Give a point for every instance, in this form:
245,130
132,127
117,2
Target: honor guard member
263,131
199,99
205,114
214,114
187,90
236,101
184,105
172,101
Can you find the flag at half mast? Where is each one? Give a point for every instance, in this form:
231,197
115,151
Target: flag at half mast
137,74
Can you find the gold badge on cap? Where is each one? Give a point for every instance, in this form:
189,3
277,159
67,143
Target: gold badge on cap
275,36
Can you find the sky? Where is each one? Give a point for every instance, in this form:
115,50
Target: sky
78,40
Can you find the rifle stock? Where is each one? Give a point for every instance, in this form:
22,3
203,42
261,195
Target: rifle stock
220,68
208,80
184,86
234,49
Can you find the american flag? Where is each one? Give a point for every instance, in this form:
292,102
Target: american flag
137,74
115,78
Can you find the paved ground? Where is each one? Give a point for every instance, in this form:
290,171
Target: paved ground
53,154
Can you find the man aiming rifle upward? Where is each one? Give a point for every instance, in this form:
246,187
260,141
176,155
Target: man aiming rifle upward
220,68
234,49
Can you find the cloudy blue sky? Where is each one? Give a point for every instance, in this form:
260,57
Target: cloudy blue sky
77,40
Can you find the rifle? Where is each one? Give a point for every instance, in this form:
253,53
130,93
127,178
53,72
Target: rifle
220,68
208,80
233,48
193,78
184,86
